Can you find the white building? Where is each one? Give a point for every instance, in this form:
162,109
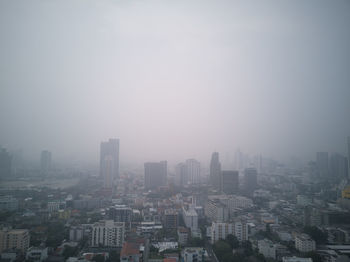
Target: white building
221,230
108,233
267,248
304,243
193,254
190,218
193,168
296,259
216,211
37,254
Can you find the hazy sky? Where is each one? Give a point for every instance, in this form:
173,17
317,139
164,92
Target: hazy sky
174,79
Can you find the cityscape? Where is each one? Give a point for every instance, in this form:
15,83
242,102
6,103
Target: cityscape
185,131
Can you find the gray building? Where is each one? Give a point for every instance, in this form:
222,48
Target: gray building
322,164
215,170
229,182
5,163
155,174
250,179
45,162
109,162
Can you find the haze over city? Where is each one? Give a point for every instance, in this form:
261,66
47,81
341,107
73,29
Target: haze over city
174,79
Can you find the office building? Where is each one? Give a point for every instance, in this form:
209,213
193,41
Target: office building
250,179
109,162
322,164
108,234
5,163
45,162
304,243
215,171
155,174
14,239
229,182
193,169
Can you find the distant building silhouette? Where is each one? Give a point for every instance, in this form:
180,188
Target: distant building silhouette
229,182
193,168
45,162
109,162
181,174
322,162
250,179
5,163
215,170
155,174
338,167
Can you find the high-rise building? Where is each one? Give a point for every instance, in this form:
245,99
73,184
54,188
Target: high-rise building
155,174
193,168
215,170
181,174
250,179
220,230
45,161
120,213
107,233
109,162
5,163
338,167
229,182
322,164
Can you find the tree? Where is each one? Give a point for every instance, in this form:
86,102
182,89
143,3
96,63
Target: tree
232,241
99,258
318,235
248,249
221,248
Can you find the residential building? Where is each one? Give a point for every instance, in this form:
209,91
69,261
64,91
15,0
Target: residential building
14,239
216,211
304,243
107,233
132,251
221,230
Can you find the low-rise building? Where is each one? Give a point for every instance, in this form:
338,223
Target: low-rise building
296,259
193,254
37,254
267,248
132,252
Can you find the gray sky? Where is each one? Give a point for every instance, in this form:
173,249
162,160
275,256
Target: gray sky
175,79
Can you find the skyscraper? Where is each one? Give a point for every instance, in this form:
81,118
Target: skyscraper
250,179
338,167
193,168
155,174
109,161
45,162
5,163
181,174
322,164
215,170
229,182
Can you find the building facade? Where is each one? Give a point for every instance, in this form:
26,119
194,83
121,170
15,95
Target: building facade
107,233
